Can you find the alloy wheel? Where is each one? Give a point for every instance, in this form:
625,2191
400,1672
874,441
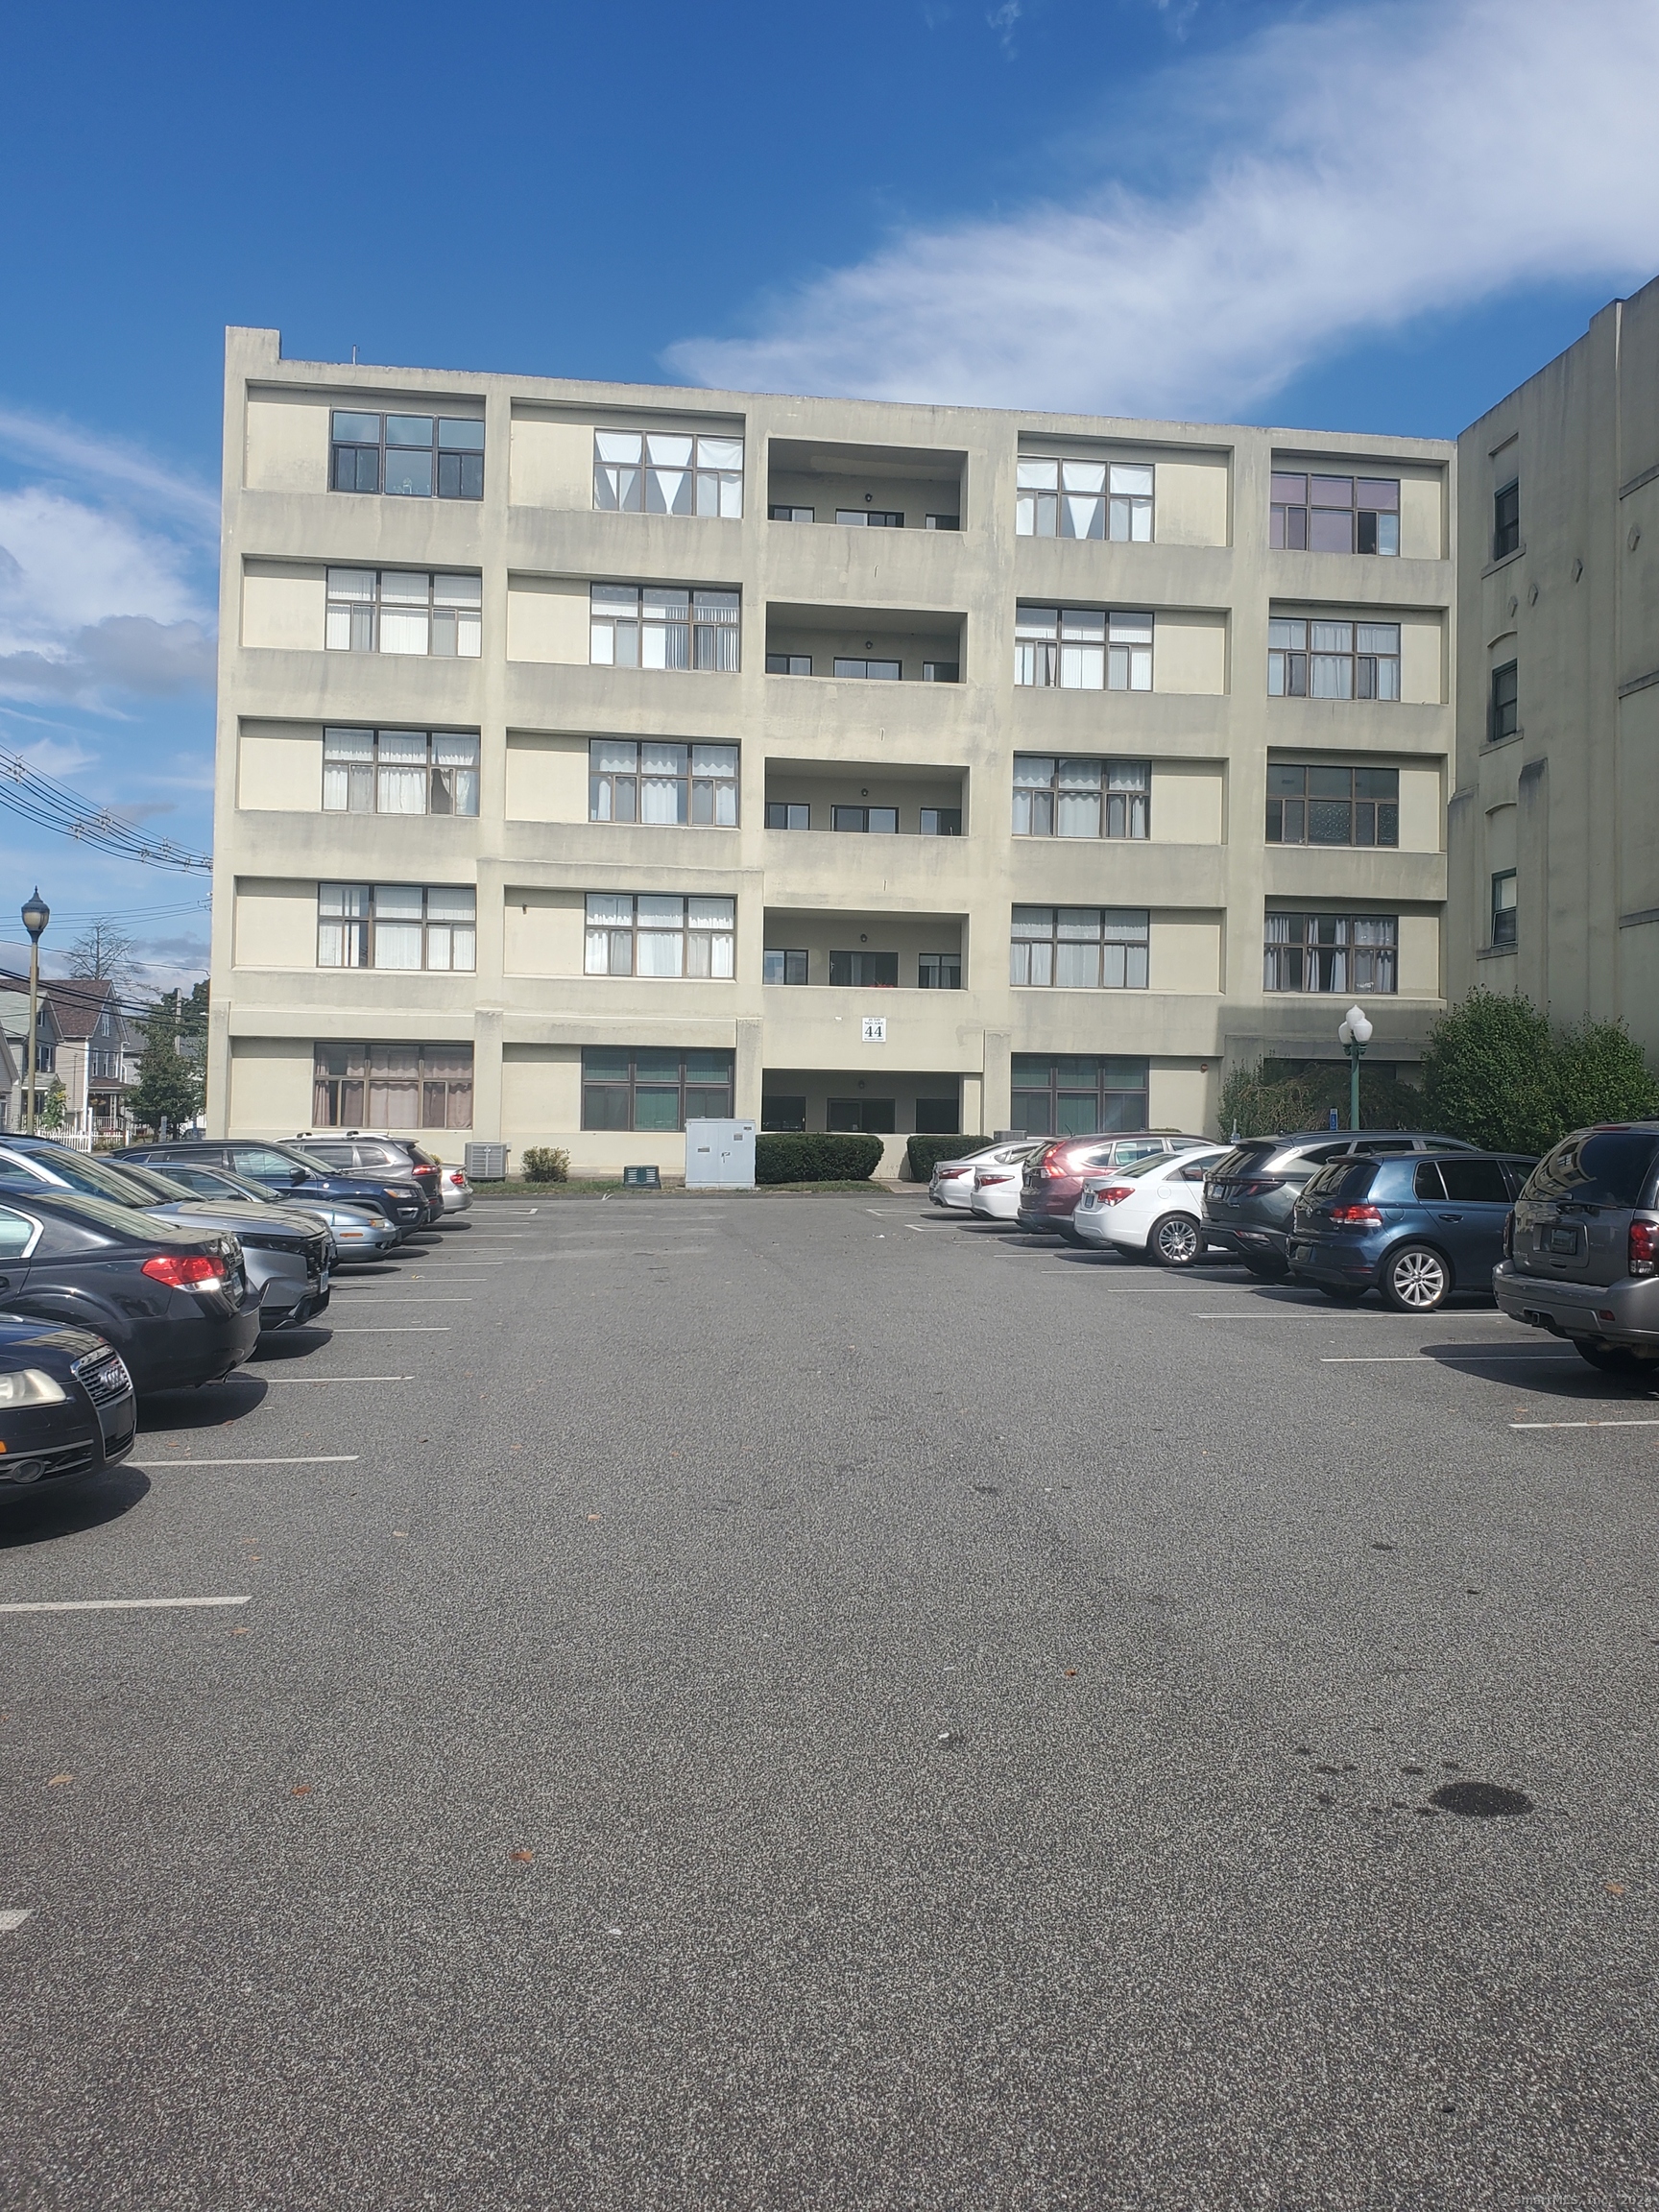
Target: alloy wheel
1418,1280
1175,1240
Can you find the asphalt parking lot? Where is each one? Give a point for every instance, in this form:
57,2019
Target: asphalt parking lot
786,1701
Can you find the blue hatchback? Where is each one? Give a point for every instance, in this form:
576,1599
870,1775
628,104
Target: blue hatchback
1415,1228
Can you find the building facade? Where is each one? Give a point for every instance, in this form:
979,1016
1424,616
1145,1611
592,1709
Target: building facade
1554,826
593,756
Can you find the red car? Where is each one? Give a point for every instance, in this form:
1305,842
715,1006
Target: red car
1053,1178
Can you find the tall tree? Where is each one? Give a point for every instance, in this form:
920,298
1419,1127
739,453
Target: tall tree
169,1087
104,952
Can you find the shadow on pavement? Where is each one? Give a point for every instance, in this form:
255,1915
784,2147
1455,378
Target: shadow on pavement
210,1407
85,1506
292,1344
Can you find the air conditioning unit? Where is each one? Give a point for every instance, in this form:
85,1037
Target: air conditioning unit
485,1163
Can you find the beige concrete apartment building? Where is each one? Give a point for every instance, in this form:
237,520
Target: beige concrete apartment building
1554,822
593,755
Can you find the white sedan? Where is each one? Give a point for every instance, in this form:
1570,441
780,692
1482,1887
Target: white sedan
952,1180
1156,1207
997,1182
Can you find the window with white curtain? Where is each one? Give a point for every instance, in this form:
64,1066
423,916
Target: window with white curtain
642,933
1332,953
406,925
1080,948
1331,658
400,772
1084,499
650,781
663,626
404,611
1081,798
1082,649
667,472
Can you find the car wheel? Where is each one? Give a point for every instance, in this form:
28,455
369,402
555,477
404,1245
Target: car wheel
1340,1293
1265,1267
1610,1359
1416,1278
1175,1240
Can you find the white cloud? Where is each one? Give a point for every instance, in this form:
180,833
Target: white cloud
1382,162
86,458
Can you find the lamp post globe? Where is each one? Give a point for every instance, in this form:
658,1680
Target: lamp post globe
1355,1034
36,916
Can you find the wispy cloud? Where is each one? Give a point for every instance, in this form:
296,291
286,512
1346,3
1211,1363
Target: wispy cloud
85,457
1370,166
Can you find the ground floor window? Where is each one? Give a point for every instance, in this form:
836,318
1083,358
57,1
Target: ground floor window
393,1087
653,1087
1078,1095
938,1118
869,1116
787,1114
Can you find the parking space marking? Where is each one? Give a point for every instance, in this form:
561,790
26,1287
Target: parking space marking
311,1459
120,1604
337,1377
1653,1423
385,1301
14,1917
393,1329
1437,1359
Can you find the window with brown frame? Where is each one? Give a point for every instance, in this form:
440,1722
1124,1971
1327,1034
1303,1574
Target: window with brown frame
393,1087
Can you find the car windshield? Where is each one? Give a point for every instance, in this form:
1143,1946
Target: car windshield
94,1178
1597,1168
1245,1159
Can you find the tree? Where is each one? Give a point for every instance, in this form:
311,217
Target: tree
104,953
54,1106
170,1086
1602,1077
1278,1095
1496,1073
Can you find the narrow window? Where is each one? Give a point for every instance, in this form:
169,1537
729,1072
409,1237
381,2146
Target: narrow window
1131,511
1506,519
1504,714
939,972
1503,907
780,966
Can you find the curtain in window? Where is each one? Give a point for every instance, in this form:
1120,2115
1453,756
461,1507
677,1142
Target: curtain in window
398,919
454,773
401,772
349,771
394,1086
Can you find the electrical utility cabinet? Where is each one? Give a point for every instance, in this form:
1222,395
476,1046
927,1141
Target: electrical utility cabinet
719,1155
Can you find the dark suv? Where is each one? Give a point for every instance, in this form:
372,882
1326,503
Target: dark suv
293,1172
1249,1193
356,1152
1583,1257
1052,1181
1414,1227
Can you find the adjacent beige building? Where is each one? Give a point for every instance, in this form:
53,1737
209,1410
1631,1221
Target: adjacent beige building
594,754
1554,822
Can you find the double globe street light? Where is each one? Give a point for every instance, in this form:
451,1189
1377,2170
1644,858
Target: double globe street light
1356,1033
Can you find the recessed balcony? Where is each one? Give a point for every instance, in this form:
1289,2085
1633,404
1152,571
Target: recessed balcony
864,644
863,798
821,482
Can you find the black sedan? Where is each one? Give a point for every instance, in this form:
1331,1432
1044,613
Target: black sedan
67,1408
174,1302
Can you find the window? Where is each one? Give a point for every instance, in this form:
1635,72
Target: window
871,517
1084,499
659,626
1080,948
648,1088
667,472
660,784
1504,716
866,1117
879,821
643,934
400,772
1332,953
408,456
1079,1095
789,663
402,611
791,513
864,971
939,972
943,522
787,814
1332,659
1334,514
1332,806
940,821
391,1087
941,671
781,967
1082,649
1059,798
397,925
876,671
1506,519
783,1114
1503,906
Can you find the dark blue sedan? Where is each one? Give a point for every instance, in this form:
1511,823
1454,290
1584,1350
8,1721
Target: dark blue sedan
1414,1227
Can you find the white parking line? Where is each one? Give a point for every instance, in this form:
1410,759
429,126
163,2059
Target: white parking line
337,1377
13,1918
120,1604
1648,1424
1409,1358
383,1301
394,1329
312,1460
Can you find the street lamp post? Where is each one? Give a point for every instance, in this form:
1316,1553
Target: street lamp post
36,916
1355,1034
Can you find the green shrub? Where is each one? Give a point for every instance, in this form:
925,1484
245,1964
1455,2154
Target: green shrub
1600,1075
1496,1073
923,1154
547,1164
793,1158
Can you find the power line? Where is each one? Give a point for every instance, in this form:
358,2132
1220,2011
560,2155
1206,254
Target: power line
52,805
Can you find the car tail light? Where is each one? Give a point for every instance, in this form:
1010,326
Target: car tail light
1644,1246
1111,1194
950,1174
186,1271
1258,1188
1357,1217
985,1181
1054,1167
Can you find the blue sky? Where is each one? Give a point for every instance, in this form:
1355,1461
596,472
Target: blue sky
1379,216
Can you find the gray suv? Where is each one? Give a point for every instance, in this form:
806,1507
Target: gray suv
1251,1192
1581,1256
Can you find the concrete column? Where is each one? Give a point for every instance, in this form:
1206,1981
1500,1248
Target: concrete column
487,1074
218,1108
973,1105
751,1057
998,1090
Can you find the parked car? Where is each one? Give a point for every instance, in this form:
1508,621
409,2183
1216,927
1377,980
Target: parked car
1583,1256
294,1173
287,1256
172,1300
1052,1182
457,1190
1153,1208
359,1233
995,1194
67,1407
1250,1191
360,1152
1414,1227
951,1181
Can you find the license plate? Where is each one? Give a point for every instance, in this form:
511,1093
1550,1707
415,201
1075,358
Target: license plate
1562,1240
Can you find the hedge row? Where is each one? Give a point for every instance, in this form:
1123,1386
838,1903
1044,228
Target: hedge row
791,1158
923,1154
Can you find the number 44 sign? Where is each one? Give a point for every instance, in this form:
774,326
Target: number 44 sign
875,1029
